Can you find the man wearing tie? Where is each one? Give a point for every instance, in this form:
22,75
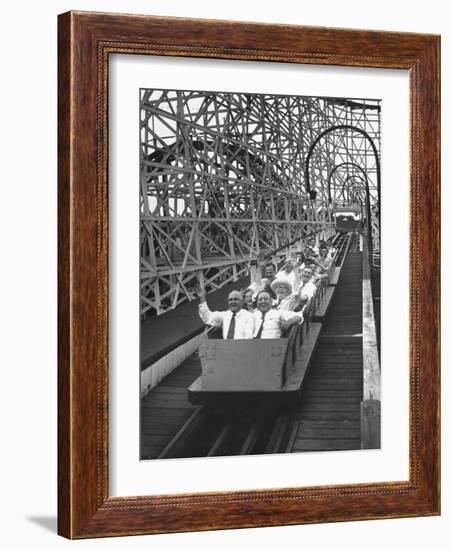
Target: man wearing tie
271,323
236,322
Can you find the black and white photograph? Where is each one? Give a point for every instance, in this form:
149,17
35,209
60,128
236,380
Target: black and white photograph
260,273
223,318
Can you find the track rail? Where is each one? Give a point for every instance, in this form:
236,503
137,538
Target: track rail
210,433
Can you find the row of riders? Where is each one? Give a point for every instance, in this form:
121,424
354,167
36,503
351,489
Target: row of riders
274,300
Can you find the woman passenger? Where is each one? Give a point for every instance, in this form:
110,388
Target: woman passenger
248,300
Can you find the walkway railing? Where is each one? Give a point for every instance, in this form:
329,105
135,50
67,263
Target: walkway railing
371,404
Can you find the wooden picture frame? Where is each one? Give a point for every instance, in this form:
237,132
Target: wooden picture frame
86,40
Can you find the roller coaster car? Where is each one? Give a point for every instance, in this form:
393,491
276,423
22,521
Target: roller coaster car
347,218
238,372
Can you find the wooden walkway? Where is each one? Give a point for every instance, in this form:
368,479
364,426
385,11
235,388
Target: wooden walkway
165,409
328,417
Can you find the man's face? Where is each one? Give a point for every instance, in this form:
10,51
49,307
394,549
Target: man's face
235,301
264,302
269,271
281,291
288,266
306,274
323,252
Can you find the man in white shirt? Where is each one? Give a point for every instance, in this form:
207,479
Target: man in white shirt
237,323
307,288
288,272
311,244
324,258
271,323
258,283
286,298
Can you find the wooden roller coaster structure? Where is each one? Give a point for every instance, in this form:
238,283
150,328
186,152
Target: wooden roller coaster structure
223,182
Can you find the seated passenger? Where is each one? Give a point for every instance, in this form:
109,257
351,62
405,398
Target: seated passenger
248,300
318,265
269,272
309,258
288,272
310,245
285,299
331,247
264,283
307,288
324,258
319,272
271,323
299,259
236,322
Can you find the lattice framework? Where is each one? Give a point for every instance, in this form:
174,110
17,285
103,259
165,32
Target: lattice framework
222,183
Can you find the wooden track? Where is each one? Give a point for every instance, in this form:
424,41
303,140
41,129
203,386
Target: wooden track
328,417
166,409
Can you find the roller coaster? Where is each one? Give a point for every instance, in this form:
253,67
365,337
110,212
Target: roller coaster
228,182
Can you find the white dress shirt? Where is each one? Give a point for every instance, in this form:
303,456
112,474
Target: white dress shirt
271,328
286,304
307,290
244,321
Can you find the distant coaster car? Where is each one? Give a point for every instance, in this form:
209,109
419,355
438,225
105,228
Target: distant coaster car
347,218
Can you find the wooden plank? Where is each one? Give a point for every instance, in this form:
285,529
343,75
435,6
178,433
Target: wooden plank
327,432
164,389
371,362
325,405
370,424
350,387
177,399
162,428
161,412
251,439
332,403
275,440
292,437
183,378
220,440
184,434
326,445
162,404
326,426
149,451
329,415
334,395
155,439
341,355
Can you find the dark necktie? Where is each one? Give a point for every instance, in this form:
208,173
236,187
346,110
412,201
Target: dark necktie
231,329
259,332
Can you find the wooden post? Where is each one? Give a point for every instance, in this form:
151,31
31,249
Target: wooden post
370,406
370,424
